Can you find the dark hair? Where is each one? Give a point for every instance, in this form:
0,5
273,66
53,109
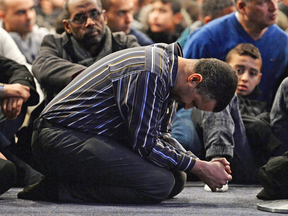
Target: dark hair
244,49
219,82
175,4
67,13
214,8
244,1
106,4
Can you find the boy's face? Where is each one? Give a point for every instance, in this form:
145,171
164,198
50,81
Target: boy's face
248,72
162,18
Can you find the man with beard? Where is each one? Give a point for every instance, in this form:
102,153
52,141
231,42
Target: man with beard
86,40
105,137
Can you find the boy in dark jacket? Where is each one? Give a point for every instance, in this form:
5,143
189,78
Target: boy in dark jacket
246,59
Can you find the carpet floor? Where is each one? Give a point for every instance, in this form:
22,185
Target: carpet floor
194,200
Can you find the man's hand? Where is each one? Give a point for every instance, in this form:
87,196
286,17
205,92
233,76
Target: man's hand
2,156
17,90
11,107
215,173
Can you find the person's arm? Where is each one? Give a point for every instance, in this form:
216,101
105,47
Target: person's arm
9,48
145,118
218,129
14,73
279,112
50,68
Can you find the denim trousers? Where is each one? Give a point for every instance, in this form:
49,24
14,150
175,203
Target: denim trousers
94,168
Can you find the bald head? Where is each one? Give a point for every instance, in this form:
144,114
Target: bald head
18,16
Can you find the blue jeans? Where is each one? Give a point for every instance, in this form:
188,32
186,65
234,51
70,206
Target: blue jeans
184,131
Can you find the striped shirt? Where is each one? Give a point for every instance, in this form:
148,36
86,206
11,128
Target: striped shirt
125,96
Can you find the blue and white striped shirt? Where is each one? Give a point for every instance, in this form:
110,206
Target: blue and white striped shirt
125,96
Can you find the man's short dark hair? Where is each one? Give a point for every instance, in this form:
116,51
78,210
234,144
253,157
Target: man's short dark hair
219,82
244,49
106,4
175,4
213,8
67,13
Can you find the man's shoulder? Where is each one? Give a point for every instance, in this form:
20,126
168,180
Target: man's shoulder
59,39
217,25
276,30
125,41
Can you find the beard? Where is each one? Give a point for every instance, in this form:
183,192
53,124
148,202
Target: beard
90,39
175,95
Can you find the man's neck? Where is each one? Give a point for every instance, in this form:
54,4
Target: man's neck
95,49
254,30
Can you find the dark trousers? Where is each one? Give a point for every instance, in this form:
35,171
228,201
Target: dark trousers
8,128
98,169
7,175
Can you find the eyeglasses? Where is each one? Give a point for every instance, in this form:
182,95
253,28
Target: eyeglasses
81,18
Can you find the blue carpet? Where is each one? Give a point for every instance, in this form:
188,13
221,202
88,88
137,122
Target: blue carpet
238,200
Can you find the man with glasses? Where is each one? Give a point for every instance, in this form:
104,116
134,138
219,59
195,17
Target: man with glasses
86,40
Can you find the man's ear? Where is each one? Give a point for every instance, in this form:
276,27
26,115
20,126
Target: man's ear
67,26
2,14
207,19
104,16
195,77
241,6
259,78
177,18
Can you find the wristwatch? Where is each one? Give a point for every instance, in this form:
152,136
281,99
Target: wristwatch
2,90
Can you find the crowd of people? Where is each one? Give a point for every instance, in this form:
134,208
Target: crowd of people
120,101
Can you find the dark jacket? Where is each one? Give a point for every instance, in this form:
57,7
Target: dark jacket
12,72
255,116
62,58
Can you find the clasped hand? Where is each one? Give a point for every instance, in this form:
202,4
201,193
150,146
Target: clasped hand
215,173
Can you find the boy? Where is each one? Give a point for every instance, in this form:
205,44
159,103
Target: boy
166,21
246,59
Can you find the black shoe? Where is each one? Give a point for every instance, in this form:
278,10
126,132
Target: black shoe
26,175
45,190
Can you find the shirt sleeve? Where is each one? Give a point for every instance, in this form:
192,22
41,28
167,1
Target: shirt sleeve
149,122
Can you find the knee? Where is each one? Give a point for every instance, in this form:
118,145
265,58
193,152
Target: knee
168,185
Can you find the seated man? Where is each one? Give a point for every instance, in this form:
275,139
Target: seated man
17,91
120,18
221,137
86,40
18,19
249,24
210,10
105,137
